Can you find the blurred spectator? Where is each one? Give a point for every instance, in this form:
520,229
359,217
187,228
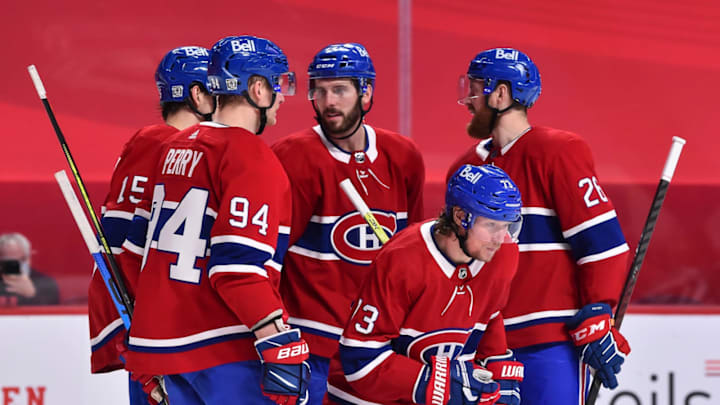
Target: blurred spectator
21,284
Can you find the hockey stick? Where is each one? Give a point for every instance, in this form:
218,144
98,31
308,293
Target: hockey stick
91,242
114,268
347,186
648,229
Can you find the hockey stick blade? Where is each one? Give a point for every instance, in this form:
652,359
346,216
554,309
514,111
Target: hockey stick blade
648,229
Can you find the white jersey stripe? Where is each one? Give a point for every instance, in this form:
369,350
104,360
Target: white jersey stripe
118,214
366,344
106,331
237,268
131,247
311,253
186,340
542,247
368,367
347,397
589,223
604,255
547,212
402,215
316,325
242,240
323,220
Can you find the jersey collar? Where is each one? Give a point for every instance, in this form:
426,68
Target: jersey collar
344,156
484,147
447,267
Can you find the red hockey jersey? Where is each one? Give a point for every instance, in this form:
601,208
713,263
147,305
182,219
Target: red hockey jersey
416,304
331,245
127,185
570,244
218,220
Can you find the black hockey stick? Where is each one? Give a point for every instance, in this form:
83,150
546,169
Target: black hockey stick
113,279
119,290
642,246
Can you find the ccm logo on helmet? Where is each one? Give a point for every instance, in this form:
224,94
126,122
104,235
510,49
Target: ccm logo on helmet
195,51
246,45
293,351
503,54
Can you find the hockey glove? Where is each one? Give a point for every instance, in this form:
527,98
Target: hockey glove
151,386
599,344
509,373
453,382
285,373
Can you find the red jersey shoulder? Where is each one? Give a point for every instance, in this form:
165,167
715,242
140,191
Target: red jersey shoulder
551,142
148,137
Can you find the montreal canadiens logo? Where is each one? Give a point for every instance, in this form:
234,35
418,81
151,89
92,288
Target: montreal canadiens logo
353,240
449,342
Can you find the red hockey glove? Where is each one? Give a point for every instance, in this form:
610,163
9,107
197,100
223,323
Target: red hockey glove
509,373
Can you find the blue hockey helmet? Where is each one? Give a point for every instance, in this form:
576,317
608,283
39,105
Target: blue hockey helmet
512,66
485,191
179,69
233,60
348,60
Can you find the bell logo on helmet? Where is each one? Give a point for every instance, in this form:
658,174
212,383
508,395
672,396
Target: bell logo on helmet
246,45
195,51
468,175
504,54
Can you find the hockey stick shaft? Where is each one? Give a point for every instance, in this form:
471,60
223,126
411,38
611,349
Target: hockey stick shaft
648,229
91,242
360,205
114,268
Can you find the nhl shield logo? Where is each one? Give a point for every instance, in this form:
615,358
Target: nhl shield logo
353,240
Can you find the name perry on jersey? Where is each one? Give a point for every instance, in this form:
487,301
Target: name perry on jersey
176,161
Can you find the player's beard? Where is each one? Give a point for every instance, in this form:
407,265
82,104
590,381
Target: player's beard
482,123
348,122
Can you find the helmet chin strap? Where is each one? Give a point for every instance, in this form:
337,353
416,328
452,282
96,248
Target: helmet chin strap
263,110
191,104
496,113
462,239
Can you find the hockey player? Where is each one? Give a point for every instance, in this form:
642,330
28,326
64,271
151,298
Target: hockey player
208,315
433,293
331,245
181,80
571,243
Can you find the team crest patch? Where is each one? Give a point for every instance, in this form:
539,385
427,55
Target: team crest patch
177,91
231,84
448,342
353,240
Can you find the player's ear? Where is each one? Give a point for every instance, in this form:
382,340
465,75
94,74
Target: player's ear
458,216
368,94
